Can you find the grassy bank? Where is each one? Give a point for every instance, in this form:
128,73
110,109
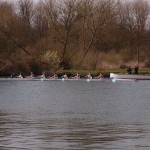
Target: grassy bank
105,72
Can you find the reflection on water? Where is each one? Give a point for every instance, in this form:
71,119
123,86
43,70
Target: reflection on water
74,115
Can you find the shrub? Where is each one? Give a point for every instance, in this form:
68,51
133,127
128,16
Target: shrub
52,59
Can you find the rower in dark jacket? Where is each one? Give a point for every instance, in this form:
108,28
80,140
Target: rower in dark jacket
136,69
129,70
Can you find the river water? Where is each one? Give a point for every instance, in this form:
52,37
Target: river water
70,115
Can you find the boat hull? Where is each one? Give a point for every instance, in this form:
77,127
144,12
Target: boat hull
47,79
128,76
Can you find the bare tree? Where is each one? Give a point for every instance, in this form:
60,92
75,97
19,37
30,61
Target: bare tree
6,17
68,17
141,13
25,11
99,15
40,20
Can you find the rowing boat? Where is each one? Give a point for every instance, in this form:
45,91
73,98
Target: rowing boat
129,76
48,79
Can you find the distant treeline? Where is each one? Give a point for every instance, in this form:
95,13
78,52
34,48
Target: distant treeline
82,34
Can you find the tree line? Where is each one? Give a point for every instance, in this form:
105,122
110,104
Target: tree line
73,34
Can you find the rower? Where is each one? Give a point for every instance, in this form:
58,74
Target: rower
32,75
43,75
89,76
65,76
129,70
12,75
77,76
136,69
100,76
20,76
54,76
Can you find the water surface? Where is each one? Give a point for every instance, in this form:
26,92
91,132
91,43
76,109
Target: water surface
74,115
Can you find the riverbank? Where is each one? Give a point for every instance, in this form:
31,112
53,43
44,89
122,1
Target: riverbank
105,72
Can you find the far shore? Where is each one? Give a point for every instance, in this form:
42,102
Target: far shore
105,72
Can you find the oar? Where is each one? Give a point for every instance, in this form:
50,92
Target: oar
113,80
